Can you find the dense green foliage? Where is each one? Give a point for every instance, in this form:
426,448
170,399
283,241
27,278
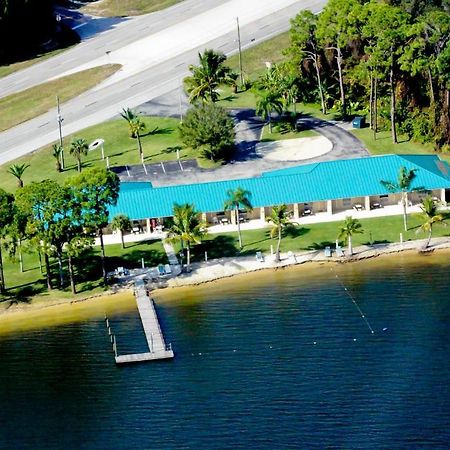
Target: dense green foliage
209,129
206,78
389,60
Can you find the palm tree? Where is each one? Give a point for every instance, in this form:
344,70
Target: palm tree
17,171
279,217
129,115
348,229
57,150
431,215
403,185
122,223
78,148
186,228
208,76
239,198
268,102
136,126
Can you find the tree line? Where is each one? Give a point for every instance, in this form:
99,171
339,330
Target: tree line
58,221
389,59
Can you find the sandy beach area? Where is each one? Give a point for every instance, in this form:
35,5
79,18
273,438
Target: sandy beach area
19,317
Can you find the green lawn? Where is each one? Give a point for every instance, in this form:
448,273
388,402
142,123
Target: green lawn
30,283
383,144
122,8
310,237
25,105
254,58
159,144
282,134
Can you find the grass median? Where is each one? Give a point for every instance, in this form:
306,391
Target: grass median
114,8
25,105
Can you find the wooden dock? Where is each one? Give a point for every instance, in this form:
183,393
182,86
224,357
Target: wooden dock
155,339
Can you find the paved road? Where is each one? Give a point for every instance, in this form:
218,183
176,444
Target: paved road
150,80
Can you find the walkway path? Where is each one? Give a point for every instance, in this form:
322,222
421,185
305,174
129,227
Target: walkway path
171,255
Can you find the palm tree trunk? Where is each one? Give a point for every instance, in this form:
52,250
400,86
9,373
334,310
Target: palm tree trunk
188,255
139,144
60,268
341,82
350,247
277,254
404,203
79,164
393,125
371,103
270,123
375,108
48,273
239,227
430,81
20,255
71,274
429,236
102,246
121,238
40,260
2,275
319,84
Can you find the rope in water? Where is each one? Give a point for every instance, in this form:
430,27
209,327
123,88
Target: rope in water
355,303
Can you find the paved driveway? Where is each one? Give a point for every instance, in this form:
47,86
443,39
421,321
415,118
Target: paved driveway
247,162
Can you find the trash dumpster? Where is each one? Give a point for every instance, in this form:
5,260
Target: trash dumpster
359,122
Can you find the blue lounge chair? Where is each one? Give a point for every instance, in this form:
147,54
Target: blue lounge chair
327,252
161,270
339,252
259,257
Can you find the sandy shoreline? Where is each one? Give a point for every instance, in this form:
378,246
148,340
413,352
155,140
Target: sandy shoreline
39,314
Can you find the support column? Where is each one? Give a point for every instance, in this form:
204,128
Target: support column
367,202
149,230
262,214
330,207
233,217
295,210
443,196
204,217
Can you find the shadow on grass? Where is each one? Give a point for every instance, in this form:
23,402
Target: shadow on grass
172,149
294,232
158,130
376,241
320,245
219,247
23,294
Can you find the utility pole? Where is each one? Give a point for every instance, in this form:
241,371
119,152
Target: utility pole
240,52
60,121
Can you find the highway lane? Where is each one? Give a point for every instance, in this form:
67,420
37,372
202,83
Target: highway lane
105,102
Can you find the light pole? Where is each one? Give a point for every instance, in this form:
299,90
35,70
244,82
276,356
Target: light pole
60,119
240,52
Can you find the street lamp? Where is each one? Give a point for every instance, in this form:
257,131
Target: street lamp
240,52
60,120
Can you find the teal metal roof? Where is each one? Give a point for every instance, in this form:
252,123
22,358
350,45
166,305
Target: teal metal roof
300,184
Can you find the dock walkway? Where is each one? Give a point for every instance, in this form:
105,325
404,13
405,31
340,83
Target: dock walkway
155,339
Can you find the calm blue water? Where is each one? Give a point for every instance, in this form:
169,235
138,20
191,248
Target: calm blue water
274,363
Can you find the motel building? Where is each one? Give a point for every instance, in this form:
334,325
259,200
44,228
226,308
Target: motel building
318,192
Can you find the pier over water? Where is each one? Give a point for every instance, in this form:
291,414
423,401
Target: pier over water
155,339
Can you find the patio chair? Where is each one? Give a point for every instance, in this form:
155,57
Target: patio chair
327,252
339,252
161,270
259,257
167,269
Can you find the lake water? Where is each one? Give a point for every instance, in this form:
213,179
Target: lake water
275,361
